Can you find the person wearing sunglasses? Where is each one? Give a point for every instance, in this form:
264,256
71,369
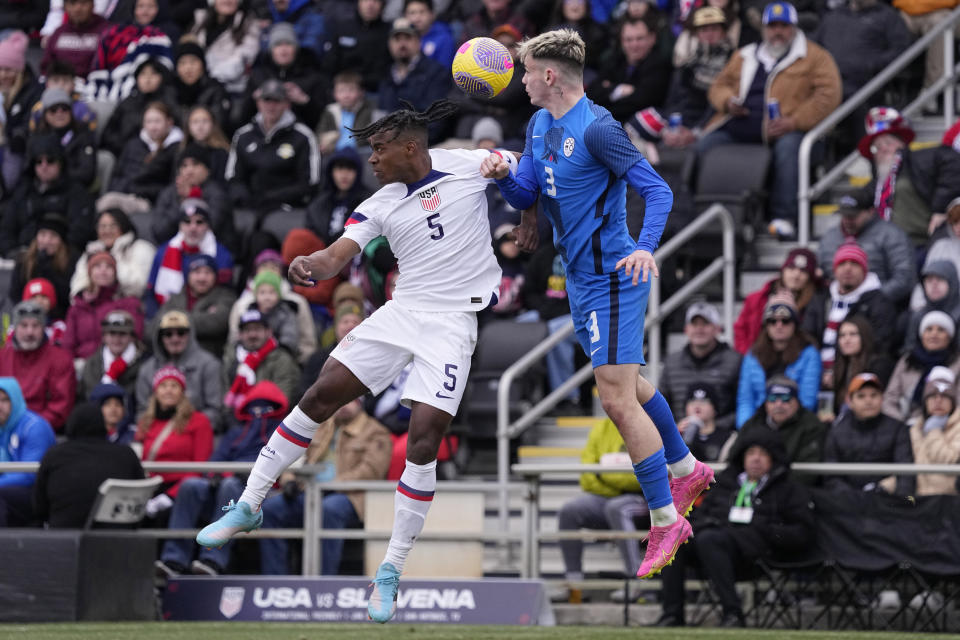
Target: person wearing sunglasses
174,344
75,136
781,348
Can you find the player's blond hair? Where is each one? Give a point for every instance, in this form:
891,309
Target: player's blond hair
560,45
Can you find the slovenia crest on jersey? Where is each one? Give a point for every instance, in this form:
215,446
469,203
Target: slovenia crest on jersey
429,199
568,145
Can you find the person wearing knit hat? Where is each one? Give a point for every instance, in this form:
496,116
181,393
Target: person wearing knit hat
54,98
101,257
13,51
271,258
40,291
486,133
169,372
282,33
270,279
303,242
348,315
347,291
851,252
935,433
279,314
940,320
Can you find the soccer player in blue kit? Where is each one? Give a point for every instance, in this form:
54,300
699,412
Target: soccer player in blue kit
579,160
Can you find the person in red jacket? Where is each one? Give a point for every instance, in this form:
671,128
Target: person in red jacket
171,430
798,274
92,305
45,371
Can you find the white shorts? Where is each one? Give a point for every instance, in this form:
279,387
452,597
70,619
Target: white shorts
439,343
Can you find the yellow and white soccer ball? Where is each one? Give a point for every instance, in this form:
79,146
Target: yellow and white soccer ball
482,67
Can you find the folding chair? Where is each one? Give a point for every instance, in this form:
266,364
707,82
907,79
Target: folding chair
121,503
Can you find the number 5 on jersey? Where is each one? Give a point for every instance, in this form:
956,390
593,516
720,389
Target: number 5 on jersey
433,224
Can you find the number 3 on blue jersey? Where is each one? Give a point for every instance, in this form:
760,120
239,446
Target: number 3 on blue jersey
551,186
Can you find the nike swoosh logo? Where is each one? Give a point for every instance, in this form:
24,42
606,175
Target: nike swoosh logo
595,350
440,395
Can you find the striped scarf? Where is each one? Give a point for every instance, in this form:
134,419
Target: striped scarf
170,275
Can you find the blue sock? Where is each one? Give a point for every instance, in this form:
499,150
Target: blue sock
652,475
673,445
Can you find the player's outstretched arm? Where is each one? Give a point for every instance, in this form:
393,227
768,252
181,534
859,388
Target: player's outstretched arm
306,271
519,190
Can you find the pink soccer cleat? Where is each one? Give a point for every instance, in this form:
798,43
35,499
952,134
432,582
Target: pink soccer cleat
662,545
685,489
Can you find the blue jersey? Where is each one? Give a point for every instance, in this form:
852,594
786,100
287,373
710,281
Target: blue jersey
580,164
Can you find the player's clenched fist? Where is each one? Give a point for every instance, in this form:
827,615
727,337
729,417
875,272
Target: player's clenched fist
300,272
494,166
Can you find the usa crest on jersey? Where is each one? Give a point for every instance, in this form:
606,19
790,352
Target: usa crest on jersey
429,199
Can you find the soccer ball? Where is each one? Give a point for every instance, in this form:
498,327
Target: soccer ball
482,67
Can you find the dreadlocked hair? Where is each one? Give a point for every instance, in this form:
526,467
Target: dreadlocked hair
407,119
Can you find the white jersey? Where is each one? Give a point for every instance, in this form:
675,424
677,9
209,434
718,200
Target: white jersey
439,232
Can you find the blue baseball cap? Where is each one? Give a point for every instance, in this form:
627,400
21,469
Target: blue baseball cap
780,12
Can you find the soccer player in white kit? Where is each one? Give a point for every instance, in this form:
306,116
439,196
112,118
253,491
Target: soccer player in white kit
433,212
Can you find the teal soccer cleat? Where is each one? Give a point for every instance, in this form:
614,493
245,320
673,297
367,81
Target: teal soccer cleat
383,599
239,518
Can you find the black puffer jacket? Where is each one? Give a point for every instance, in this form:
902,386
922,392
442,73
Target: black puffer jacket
18,112
127,119
720,369
879,439
143,172
783,519
327,213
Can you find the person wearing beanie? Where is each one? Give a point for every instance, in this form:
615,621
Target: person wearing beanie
854,291
47,188
939,290
303,242
799,275
194,86
41,292
48,256
117,358
279,315
71,472
305,21
152,79
781,347
171,429
205,301
112,400
26,436
58,117
44,371
77,39
84,334
699,422
257,357
935,435
195,175
61,75
945,241
342,190
936,348
486,133
19,89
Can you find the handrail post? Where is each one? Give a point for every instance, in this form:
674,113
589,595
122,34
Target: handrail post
948,91
729,273
803,188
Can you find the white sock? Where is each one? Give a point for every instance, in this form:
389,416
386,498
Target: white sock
683,467
285,447
664,516
410,505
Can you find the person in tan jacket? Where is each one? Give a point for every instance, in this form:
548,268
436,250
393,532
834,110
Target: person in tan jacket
935,436
801,77
355,447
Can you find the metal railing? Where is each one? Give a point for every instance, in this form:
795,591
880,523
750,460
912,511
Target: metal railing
657,312
806,193
532,473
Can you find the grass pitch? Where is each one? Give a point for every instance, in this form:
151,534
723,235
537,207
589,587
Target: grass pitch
306,631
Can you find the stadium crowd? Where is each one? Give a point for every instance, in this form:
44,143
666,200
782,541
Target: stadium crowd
164,161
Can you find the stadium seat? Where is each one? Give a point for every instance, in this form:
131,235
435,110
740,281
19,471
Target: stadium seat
121,503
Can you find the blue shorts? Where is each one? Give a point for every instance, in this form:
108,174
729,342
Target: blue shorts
608,313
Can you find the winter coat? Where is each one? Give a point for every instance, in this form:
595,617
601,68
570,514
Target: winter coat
23,211
749,323
304,72
949,304
361,450
83,334
424,84
805,81
327,213
438,44
305,328
934,175
945,248
899,394
71,473
355,44
166,212
783,517
144,168
75,44
279,367
201,370
127,119
24,437
889,255
604,438
720,369
134,257
47,379
862,42
308,24
228,60
328,131
208,315
80,150
249,433
17,127
269,169
206,92
937,446
802,434
93,370
195,444
224,262
880,439
872,304
24,15
752,387
649,77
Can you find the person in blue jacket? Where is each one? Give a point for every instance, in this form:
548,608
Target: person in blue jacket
782,347
24,437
